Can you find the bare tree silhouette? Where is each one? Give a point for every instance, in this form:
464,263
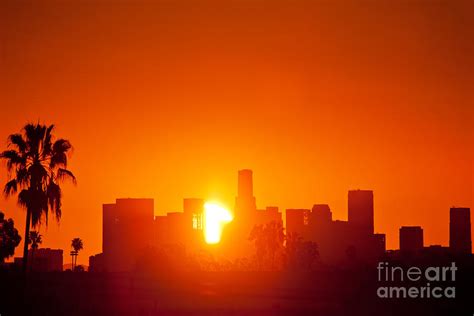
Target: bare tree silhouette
37,164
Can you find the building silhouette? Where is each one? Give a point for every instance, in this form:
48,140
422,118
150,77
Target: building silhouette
296,221
361,210
181,228
411,239
235,239
460,230
127,230
193,209
340,242
130,229
245,202
43,260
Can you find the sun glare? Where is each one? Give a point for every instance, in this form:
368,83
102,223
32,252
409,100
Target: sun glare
215,217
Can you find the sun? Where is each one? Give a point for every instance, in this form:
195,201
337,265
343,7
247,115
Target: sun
215,218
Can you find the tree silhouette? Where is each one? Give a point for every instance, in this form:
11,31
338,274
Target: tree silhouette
307,254
268,241
77,246
257,235
291,245
35,239
38,164
9,238
300,254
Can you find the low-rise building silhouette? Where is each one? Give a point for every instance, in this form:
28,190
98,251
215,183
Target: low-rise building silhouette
43,260
127,230
411,239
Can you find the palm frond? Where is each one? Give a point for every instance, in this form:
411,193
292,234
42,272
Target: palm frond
61,145
24,197
13,158
38,172
36,202
22,176
18,141
63,174
39,208
11,187
47,143
53,193
58,159
34,136
31,136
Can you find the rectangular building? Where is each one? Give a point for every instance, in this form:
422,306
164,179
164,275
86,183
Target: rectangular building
297,221
411,238
460,230
127,231
361,210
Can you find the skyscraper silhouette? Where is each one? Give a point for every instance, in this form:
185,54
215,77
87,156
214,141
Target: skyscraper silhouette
460,230
361,210
411,238
245,204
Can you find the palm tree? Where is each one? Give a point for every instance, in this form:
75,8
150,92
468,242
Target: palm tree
37,165
35,239
77,245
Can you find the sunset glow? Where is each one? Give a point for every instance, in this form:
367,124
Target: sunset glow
215,218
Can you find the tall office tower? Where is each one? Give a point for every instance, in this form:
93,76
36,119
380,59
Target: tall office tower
411,238
245,183
245,204
361,210
460,230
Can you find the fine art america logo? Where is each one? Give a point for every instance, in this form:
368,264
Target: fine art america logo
426,282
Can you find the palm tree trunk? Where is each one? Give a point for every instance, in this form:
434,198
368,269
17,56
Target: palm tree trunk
32,263
27,233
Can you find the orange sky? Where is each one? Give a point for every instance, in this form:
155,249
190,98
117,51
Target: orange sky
167,101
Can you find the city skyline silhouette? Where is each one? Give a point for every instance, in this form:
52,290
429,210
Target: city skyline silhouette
283,214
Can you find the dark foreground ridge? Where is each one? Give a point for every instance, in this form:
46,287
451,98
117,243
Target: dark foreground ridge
320,292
